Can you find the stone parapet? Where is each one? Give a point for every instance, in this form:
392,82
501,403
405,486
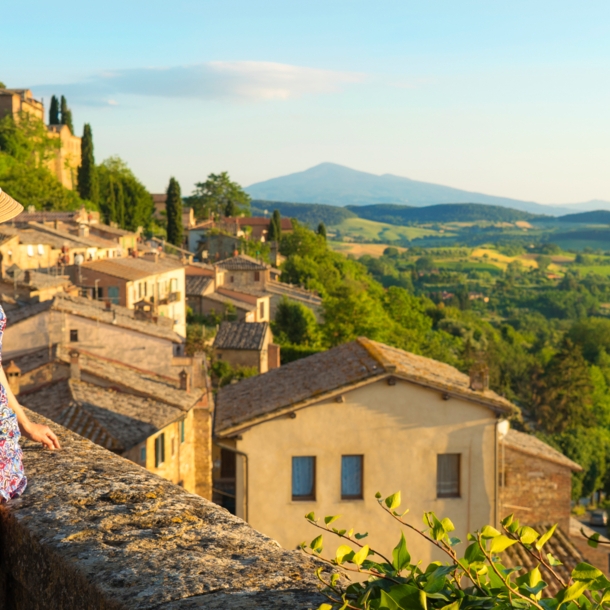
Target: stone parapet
95,531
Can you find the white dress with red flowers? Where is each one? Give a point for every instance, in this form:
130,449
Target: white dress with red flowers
12,477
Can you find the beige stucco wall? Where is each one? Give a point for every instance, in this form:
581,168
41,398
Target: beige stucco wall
106,340
400,430
189,464
245,357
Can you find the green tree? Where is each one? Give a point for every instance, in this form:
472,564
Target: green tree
54,111
173,208
425,264
295,324
562,392
123,198
275,227
66,114
213,196
322,230
88,186
543,262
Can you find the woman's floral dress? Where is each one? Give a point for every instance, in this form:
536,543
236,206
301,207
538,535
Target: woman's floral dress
12,477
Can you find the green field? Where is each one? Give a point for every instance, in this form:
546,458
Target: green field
598,270
360,228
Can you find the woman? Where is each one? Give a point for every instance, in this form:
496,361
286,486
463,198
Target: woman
13,420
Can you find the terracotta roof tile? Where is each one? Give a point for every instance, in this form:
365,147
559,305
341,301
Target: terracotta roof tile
241,335
132,268
196,284
337,368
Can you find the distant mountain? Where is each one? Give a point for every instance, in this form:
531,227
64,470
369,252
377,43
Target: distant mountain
598,217
445,212
333,184
587,206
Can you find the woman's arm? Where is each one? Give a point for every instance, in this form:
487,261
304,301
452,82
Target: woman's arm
35,432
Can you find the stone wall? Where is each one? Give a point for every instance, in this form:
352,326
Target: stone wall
95,531
535,490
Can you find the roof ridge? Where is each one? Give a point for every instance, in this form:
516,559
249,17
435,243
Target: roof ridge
371,347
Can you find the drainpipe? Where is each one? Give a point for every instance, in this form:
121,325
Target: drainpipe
501,430
245,456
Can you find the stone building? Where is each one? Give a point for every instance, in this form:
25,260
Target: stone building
247,344
67,157
98,327
162,424
152,284
19,288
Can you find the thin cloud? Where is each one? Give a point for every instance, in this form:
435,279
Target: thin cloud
237,80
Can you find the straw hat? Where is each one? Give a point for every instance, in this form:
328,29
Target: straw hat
9,208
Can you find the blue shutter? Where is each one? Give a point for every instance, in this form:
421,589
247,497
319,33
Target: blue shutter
303,478
351,476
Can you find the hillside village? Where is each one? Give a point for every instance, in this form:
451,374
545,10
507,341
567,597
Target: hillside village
251,363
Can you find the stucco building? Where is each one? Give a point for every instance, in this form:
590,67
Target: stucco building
152,284
326,432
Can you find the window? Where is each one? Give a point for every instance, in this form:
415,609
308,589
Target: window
227,464
159,450
139,290
304,478
257,276
231,279
262,310
182,431
173,285
173,446
30,250
143,455
351,477
73,336
448,475
100,292
113,294
40,249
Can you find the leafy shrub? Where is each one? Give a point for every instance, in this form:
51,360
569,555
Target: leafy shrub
475,580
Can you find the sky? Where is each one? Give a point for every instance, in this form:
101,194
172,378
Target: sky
505,98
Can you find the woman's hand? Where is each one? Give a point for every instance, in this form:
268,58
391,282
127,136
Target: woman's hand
41,434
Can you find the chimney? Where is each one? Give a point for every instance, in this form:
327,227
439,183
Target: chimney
74,365
13,375
83,231
479,377
185,381
273,356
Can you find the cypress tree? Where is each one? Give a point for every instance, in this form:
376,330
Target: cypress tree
275,227
88,186
54,111
230,209
173,209
66,114
322,230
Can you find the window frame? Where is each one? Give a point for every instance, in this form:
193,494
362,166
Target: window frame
182,431
74,335
143,455
458,494
359,496
160,450
312,496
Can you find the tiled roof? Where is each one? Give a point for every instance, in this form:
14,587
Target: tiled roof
159,197
95,310
527,443
132,268
241,335
111,418
288,386
89,241
196,284
199,269
241,262
560,546
225,300
285,223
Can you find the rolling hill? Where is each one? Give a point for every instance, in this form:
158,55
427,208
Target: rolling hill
601,217
329,183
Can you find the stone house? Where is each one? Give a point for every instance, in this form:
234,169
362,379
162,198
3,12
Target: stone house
162,424
155,283
67,158
327,427
100,328
247,344
19,287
